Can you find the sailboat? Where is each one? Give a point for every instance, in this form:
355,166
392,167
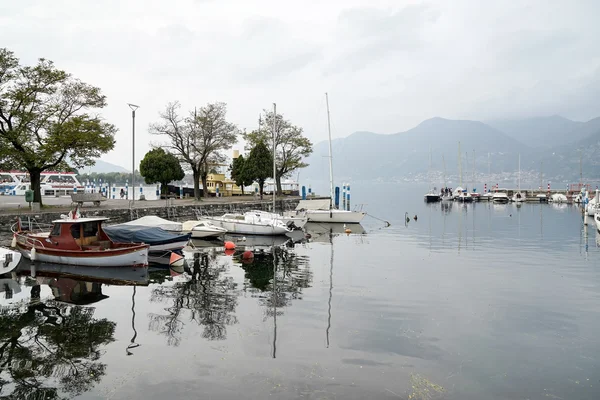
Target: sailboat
459,193
332,214
519,197
474,192
431,196
542,198
488,195
446,195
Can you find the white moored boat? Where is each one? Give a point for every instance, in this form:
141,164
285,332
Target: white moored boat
297,218
250,224
202,229
597,220
9,259
500,197
319,211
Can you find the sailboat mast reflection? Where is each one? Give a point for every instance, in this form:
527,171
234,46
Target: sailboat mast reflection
274,297
330,287
132,344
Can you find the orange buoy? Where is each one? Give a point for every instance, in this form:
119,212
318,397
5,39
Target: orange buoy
229,252
229,245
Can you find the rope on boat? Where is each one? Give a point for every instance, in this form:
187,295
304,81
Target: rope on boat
387,223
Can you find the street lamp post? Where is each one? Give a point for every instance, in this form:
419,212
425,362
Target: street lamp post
133,108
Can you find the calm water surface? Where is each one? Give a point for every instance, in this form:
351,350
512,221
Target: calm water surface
480,301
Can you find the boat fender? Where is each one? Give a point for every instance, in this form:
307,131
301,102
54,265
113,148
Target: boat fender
13,244
32,254
229,245
176,260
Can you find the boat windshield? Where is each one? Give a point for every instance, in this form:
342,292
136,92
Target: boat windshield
55,230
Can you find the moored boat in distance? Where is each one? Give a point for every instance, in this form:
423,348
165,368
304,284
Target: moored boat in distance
81,242
597,220
500,197
292,219
158,239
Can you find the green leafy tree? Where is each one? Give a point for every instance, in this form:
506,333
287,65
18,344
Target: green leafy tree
46,118
162,167
239,172
260,165
197,140
291,145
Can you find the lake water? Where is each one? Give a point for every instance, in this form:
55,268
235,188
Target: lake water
477,301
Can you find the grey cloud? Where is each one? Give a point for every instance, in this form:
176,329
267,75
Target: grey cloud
371,34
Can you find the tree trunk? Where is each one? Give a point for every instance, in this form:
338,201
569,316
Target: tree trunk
278,181
204,191
163,188
34,176
242,190
261,183
196,177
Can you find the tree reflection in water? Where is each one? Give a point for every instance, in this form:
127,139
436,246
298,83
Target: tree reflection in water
207,298
290,274
49,348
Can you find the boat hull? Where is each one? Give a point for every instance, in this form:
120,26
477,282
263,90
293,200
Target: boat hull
136,256
335,216
199,234
597,220
432,198
169,246
244,228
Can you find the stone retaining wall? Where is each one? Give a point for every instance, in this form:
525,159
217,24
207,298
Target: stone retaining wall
181,212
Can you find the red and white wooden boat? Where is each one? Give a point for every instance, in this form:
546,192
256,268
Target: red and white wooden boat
79,241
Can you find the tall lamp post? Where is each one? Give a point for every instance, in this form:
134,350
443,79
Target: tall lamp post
133,108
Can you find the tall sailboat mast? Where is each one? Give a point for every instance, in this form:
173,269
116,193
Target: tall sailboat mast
274,156
330,154
460,165
519,172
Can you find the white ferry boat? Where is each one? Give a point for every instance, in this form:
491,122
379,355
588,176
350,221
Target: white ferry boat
52,183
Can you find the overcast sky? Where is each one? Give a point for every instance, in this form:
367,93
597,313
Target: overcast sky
387,65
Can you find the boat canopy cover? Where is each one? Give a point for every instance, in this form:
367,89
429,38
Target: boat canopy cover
152,220
320,204
125,233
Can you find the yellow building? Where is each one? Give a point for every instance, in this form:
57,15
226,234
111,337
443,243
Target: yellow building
226,186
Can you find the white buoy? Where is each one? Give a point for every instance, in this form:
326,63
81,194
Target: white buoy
13,244
33,254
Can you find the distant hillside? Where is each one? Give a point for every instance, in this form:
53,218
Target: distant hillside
405,155
367,156
540,132
563,161
104,167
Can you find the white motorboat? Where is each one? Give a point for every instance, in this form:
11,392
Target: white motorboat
432,197
157,222
292,219
593,205
203,229
464,196
500,197
558,198
246,224
518,197
597,220
489,196
9,259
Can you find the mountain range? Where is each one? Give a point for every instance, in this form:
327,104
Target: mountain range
552,144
